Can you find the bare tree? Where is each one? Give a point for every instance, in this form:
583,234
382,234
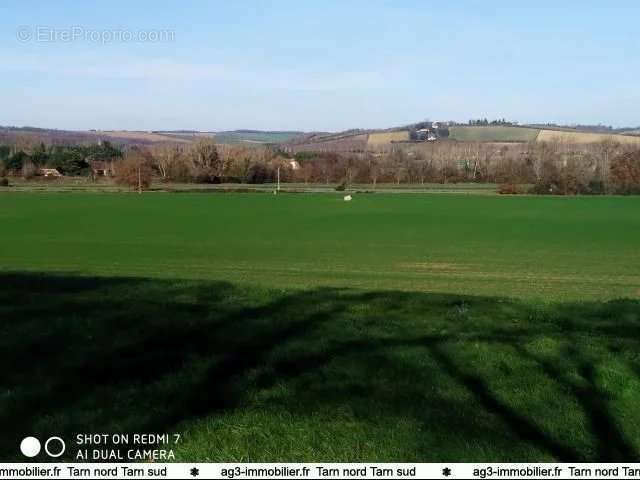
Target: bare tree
351,169
398,164
544,153
135,170
605,150
373,168
305,171
206,162
29,170
424,169
165,157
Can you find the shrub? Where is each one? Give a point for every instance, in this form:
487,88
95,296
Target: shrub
135,171
178,171
4,182
508,189
560,180
341,188
625,173
595,187
259,173
230,179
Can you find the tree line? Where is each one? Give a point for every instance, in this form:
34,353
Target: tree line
67,159
537,167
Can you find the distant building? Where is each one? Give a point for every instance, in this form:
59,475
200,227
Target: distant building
422,134
286,162
426,134
294,164
50,172
100,168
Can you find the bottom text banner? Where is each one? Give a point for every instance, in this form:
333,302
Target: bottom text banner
320,470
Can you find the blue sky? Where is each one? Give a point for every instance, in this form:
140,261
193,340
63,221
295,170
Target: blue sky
327,65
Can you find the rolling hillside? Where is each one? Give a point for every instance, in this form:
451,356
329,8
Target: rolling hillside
344,144
499,133
13,135
584,137
235,137
355,140
255,136
383,138
376,140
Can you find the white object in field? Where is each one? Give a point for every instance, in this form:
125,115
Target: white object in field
347,198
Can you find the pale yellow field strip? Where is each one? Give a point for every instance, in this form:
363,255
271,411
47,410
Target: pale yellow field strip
388,137
584,137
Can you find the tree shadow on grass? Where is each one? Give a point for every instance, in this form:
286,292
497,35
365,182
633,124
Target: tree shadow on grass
98,355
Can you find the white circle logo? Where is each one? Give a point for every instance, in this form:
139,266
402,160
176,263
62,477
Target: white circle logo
54,454
30,446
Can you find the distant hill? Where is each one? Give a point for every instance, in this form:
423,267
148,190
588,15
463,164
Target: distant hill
12,135
585,137
255,136
635,131
599,128
381,140
529,133
354,140
234,137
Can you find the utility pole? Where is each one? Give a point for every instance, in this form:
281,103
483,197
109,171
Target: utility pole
278,187
139,180
605,171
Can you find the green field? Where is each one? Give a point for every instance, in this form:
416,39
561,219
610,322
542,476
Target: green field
248,138
561,248
493,134
300,327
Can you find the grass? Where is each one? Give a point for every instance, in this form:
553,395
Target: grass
533,247
493,134
303,328
107,185
263,374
